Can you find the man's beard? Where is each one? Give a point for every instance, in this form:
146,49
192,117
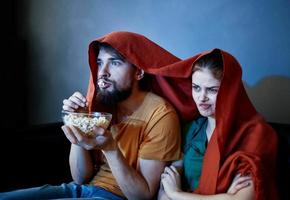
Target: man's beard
114,97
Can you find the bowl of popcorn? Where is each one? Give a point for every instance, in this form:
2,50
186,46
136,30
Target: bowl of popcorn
86,121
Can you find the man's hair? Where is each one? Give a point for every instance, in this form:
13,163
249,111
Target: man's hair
110,49
213,62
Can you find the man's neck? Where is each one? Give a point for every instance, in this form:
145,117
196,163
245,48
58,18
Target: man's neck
127,107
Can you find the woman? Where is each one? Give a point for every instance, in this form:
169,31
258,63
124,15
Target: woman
229,151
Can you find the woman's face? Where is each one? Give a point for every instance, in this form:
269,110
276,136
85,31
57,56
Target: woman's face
204,91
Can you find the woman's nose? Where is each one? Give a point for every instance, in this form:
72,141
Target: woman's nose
203,96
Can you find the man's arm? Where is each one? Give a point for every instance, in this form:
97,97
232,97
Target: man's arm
80,160
163,137
141,184
81,165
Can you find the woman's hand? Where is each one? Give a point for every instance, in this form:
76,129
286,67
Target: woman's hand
161,193
239,183
171,180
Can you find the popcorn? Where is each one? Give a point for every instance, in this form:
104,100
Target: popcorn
85,123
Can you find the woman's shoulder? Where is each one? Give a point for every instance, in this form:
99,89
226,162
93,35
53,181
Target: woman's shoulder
192,128
196,123
193,131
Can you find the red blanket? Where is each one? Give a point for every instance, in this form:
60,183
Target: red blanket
242,141
153,59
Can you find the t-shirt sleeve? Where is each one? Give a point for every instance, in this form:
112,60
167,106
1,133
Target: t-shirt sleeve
162,140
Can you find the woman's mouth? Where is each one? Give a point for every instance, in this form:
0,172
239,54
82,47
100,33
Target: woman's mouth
204,106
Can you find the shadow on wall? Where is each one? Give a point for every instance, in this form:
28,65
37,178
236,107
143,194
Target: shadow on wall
271,97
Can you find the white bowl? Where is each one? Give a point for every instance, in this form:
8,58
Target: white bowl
86,121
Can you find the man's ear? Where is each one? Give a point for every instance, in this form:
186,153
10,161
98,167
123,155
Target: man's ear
139,74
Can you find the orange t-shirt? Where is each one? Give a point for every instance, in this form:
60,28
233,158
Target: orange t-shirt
152,132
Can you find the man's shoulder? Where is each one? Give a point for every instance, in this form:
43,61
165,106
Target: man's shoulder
155,107
158,101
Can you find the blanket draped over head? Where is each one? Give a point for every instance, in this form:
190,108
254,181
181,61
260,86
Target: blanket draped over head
242,141
146,55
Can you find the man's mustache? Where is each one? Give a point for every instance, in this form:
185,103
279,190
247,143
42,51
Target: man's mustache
105,79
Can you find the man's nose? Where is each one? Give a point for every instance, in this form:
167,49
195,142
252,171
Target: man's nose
104,71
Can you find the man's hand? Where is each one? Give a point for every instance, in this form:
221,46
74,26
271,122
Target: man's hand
101,139
75,103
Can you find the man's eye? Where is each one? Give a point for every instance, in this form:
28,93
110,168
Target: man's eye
116,63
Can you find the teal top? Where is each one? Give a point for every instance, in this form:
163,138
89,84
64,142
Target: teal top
194,146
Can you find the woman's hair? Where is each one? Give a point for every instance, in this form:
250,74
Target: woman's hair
213,62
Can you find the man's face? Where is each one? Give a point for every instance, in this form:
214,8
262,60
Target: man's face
115,77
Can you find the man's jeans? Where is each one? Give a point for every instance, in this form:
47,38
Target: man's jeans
63,191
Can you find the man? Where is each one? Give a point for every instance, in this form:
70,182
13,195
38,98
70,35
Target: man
125,161
148,134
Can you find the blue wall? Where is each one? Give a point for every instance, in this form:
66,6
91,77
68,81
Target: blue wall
255,32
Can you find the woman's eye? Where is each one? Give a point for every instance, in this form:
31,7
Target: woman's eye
213,90
99,63
196,88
